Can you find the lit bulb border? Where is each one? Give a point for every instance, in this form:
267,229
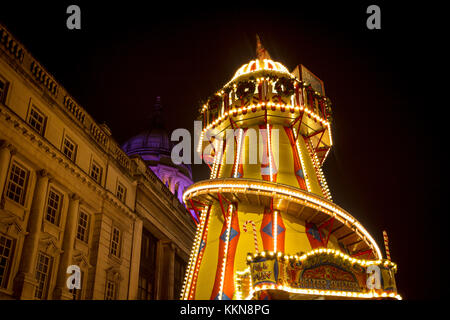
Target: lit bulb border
190,278
246,68
297,109
321,251
317,167
225,256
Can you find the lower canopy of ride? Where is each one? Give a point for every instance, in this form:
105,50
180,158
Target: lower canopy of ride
284,220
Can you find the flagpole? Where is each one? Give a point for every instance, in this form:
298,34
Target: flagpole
386,245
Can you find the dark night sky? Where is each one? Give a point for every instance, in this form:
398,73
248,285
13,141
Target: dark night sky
385,165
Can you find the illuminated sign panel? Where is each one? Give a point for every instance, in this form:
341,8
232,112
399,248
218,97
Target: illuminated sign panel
322,271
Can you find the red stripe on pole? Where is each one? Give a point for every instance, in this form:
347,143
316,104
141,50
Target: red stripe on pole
255,236
386,245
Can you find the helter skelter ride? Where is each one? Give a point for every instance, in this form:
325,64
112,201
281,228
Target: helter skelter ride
268,228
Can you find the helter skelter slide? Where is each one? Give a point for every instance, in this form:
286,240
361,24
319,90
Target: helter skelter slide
268,228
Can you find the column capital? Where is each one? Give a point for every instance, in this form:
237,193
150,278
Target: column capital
74,197
43,174
4,144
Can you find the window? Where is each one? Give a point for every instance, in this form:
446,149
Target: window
83,227
96,172
180,268
53,206
3,90
115,242
146,287
18,177
37,120
148,248
69,148
110,292
6,251
121,192
42,275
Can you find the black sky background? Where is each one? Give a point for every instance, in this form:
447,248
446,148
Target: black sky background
389,128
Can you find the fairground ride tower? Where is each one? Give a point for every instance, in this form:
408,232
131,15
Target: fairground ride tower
268,227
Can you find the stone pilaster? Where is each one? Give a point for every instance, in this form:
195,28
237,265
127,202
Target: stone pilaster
166,263
25,283
171,271
159,270
135,260
61,290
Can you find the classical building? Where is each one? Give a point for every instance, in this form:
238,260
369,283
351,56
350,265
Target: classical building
71,196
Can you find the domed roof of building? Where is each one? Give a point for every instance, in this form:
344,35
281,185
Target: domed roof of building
153,140
153,144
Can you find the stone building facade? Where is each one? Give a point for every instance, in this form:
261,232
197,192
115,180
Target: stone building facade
69,195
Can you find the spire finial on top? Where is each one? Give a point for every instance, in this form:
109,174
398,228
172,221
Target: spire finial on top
156,114
261,52
157,106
